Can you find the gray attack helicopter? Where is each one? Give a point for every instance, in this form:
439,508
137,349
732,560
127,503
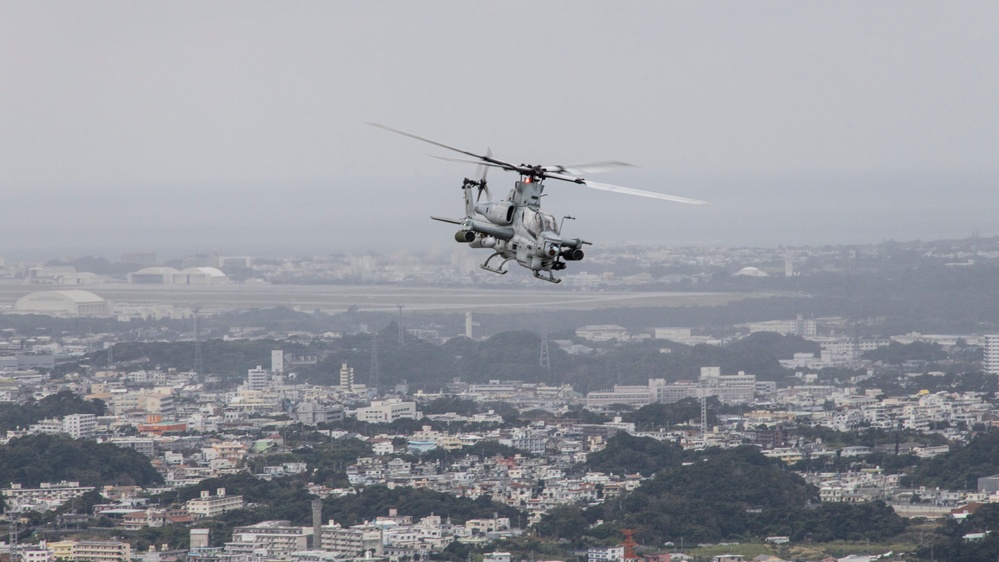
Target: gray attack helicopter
516,228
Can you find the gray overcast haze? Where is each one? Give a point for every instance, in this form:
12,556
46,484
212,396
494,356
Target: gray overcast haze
180,127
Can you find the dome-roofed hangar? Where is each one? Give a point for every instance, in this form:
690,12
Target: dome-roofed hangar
751,272
162,275
72,302
156,274
200,276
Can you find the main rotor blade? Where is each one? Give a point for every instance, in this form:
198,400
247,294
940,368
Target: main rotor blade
591,168
627,190
463,161
642,193
481,157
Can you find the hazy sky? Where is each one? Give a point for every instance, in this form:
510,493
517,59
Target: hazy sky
180,127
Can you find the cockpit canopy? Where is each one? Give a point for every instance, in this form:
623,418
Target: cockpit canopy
537,222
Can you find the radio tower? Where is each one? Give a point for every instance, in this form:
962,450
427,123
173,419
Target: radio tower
197,347
704,414
374,379
629,545
546,363
111,357
12,538
402,333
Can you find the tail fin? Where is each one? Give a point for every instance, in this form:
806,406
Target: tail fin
479,184
467,187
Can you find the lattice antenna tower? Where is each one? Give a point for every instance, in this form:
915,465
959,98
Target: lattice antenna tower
546,363
402,332
629,545
704,414
198,368
12,537
375,378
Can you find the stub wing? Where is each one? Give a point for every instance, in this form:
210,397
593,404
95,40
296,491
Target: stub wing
480,227
452,221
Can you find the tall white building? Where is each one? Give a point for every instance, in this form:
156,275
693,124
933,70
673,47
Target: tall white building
346,378
80,426
277,361
257,379
991,363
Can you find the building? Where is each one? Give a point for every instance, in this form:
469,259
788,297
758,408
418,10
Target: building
991,360
729,389
346,378
258,379
80,426
989,484
351,541
672,334
92,551
387,411
71,303
45,497
199,538
635,396
208,506
609,554
268,540
160,275
144,445
603,332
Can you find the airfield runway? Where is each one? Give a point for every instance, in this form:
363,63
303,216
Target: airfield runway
338,298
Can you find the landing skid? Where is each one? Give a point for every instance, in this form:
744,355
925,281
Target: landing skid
551,278
499,269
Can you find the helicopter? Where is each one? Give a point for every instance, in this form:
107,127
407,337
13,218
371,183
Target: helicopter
515,228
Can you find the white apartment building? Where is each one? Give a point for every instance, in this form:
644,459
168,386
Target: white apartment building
80,426
991,363
608,554
258,379
208,506
47,426
45,497
386,411
730,389
268,540
346,378
144,445
351,541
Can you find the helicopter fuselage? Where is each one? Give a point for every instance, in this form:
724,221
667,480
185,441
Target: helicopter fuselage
516,229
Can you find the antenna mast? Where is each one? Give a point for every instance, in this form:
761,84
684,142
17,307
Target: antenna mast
197,346
402,332
374,379
546,363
